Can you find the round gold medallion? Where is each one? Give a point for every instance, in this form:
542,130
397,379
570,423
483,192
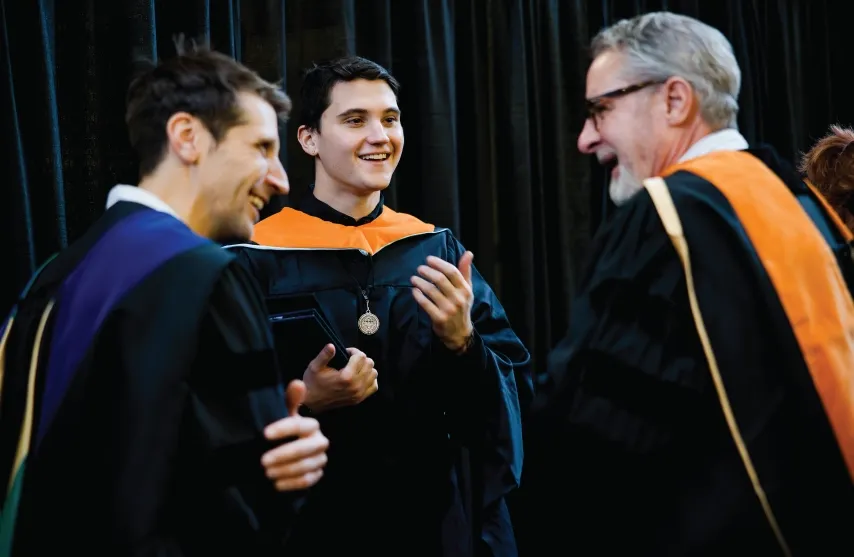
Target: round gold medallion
369,323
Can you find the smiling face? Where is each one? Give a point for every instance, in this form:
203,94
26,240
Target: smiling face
623,130
239,174
360,139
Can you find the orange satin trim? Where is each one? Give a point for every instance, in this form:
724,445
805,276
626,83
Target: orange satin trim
290,228
804,273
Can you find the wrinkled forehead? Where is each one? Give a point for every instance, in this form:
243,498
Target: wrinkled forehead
606,73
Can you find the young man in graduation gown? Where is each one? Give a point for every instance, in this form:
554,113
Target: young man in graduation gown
422,455
701,401
142,411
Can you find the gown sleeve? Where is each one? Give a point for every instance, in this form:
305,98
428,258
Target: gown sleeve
234,392
625,382
628,356
484,408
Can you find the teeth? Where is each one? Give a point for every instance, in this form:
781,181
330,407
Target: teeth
377,157
256,201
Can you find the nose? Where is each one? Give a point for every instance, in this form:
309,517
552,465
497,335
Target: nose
589,138
377,133
278,178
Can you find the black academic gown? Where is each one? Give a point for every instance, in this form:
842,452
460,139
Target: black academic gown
154,378
422,467
628,452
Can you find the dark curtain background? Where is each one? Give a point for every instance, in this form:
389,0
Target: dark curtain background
492,100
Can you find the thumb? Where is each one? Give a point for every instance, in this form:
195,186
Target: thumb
465,265
294,396
323,358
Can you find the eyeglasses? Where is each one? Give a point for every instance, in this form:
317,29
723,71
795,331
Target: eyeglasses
595,106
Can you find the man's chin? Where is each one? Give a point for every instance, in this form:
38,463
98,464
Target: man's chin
375,185
622,191
240,235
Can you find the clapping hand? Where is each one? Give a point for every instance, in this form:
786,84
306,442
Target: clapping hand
445,293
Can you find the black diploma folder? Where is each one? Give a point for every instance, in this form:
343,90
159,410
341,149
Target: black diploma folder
300,331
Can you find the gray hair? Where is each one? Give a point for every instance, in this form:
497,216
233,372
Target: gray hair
659,45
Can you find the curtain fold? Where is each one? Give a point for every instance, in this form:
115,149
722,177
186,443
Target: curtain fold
16,204
492,103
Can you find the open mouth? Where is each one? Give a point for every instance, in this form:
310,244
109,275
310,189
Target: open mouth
611,163
374,157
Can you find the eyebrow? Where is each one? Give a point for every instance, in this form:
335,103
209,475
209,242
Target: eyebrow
363,112
270,140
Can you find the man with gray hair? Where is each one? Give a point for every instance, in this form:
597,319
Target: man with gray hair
704,389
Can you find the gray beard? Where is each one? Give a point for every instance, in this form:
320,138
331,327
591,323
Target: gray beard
624,188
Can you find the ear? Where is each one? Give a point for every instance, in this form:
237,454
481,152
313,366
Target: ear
306,137
681,101
182,132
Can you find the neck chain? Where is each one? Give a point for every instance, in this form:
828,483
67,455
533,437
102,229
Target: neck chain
368,323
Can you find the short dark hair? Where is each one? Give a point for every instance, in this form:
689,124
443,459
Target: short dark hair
199,81
319,80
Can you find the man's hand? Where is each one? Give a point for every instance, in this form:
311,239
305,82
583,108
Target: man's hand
445,293
330,388
297,464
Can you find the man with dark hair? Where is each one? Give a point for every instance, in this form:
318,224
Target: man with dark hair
421,461
143,412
